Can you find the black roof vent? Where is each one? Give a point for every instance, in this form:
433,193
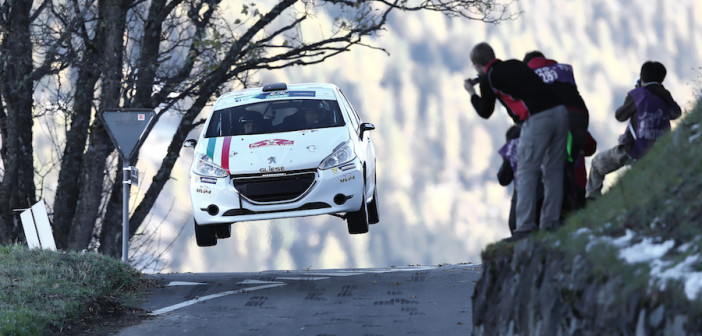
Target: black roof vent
275,87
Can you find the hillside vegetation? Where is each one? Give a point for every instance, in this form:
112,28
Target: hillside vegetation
630,262
656,205
45,293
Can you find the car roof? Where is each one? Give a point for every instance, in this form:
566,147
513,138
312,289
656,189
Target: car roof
297,91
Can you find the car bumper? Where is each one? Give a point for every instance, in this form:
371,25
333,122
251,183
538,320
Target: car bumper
217,200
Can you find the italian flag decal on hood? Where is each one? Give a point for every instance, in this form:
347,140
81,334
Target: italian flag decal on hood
218,151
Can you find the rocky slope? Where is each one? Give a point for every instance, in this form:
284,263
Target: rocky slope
531,289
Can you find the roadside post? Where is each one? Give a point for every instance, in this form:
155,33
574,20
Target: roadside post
127,128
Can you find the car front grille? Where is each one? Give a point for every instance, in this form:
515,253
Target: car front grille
274,188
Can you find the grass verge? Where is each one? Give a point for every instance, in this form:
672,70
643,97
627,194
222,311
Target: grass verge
45,292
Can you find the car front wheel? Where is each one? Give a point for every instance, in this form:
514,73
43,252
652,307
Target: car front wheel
357,221
373,217
223,230
205,235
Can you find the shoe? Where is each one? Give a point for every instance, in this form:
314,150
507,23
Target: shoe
518,235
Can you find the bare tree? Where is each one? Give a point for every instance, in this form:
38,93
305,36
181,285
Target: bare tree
18,75
178,55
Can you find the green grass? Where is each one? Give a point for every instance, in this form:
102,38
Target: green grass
41,292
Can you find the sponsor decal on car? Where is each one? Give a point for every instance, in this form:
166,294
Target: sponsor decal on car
342,168
271,169
208,180
347,166
347,177
282,94
272,142
239,100
203,190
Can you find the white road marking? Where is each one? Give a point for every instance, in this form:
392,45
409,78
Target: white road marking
185,283
210,297
336,274
401,269
302,278
257,282
372,270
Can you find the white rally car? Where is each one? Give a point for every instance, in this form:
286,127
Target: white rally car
282,151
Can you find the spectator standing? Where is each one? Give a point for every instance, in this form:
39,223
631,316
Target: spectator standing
561,79
508,173
544,131
649,107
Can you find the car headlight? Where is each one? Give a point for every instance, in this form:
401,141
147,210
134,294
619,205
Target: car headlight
204,166
341,154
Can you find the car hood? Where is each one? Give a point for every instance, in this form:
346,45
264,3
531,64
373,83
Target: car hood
273,152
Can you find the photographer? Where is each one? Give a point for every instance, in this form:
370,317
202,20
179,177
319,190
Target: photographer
649,107
544,131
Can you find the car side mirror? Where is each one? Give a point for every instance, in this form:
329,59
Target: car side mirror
365,127
190,143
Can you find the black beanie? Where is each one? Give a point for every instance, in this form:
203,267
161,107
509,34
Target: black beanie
652,72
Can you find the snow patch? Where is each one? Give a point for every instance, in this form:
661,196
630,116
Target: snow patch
645,251
580,231
682,271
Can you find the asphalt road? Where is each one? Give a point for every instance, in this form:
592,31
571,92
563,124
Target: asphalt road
415,300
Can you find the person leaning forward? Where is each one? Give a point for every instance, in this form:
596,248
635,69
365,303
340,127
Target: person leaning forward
544,132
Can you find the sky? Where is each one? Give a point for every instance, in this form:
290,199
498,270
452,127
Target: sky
440,201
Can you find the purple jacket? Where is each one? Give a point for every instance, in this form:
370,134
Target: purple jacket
509,155
649,110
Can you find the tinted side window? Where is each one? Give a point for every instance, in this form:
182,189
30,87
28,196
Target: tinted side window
355,119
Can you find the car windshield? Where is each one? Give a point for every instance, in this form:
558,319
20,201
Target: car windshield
275,116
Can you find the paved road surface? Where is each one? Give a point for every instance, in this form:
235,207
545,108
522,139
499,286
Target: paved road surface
415,300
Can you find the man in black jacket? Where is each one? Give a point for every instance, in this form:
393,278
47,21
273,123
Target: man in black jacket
544,132
561,79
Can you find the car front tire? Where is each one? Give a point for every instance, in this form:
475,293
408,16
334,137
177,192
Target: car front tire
357,221
205,235
373,217
223,230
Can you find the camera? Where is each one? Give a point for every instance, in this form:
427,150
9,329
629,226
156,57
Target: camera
473,81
